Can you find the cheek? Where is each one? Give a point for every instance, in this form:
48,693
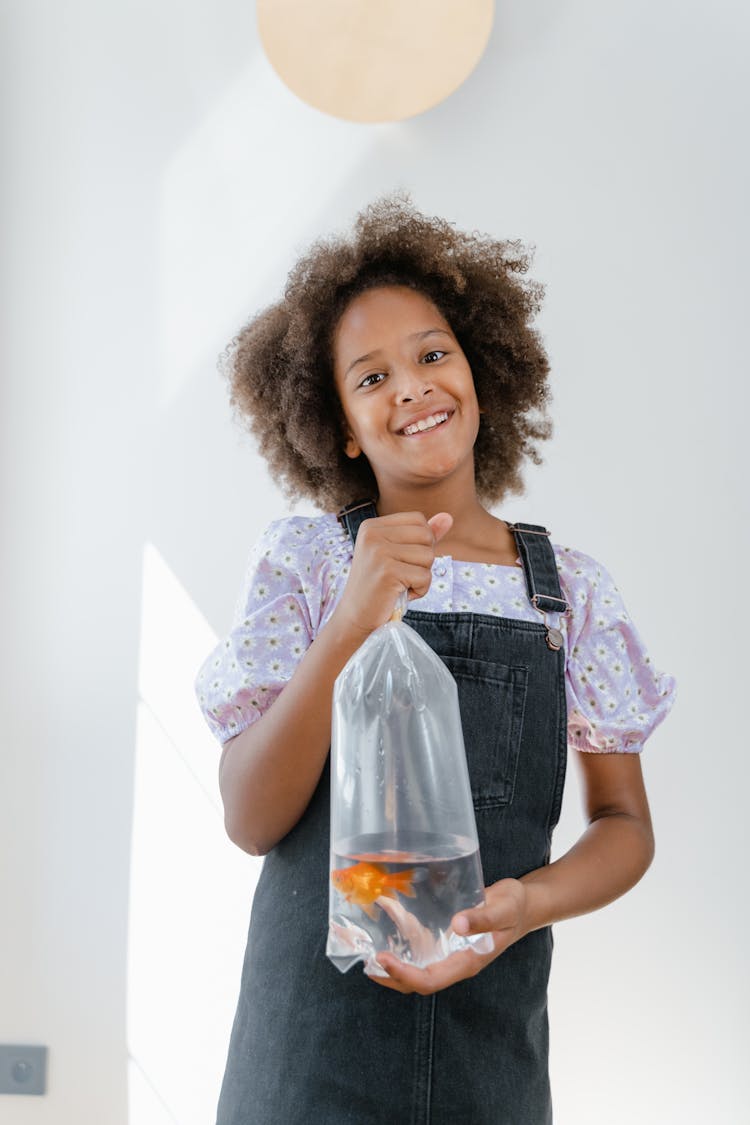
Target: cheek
472,394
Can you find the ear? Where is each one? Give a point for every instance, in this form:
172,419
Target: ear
351,449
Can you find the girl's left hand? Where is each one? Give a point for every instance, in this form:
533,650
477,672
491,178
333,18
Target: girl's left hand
504,916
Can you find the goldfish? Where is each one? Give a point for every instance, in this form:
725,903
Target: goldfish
363,883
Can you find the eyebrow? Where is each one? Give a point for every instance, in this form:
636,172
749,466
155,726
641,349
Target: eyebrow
414,336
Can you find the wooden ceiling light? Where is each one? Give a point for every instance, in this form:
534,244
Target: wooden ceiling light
374,60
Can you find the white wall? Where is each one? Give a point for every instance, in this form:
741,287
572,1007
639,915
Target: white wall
158,182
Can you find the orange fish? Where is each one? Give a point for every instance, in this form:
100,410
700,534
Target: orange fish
363,883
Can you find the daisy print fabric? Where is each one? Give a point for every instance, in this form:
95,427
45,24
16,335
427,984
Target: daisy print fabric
298,569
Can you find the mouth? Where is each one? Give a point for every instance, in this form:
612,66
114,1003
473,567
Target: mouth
427,425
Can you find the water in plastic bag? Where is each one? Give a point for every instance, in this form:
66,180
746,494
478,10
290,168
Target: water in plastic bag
404,851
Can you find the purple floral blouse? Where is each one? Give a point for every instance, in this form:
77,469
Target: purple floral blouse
298,570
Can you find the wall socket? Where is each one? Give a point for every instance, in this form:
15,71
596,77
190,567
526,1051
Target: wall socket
23,1070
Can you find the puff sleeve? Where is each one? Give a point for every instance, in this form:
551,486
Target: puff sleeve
272,628
615,695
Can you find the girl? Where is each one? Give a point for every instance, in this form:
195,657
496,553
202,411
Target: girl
401,365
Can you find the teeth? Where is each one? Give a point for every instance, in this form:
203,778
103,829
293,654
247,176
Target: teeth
426,423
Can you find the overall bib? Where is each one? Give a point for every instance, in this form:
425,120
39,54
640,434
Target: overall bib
310,1045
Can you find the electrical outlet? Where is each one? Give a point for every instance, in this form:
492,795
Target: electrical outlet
23,1070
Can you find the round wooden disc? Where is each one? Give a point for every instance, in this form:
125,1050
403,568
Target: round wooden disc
374,60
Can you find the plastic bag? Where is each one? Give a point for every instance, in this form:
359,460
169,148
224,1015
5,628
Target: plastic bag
404,849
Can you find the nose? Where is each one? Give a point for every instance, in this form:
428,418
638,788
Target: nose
411,384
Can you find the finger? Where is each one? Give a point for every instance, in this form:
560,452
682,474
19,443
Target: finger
500,910
395,525
394,979
495,920
412,554
440,523
399,915
419,939
416,580
408,543
407,527
408,978
395,518
472,922
417,529
409,533
386,982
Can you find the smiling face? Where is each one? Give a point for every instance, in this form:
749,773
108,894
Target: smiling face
406,389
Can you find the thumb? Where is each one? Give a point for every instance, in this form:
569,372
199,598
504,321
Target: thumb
502,910
440,524
473,921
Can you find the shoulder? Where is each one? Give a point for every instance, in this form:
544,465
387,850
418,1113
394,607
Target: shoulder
576,564
616,696
583,578
299,538
305,556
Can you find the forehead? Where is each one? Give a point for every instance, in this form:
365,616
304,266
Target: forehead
377,316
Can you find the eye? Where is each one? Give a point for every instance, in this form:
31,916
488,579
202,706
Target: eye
432,357
378,376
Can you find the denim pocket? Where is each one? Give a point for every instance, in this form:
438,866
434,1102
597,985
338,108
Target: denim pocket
491,698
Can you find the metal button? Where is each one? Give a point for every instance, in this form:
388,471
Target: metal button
554,639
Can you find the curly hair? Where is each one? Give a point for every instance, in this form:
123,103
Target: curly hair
280,366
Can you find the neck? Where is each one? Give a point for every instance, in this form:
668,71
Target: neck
452,496
475,536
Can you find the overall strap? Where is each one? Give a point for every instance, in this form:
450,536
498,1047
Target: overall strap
542,581
353,516
540,568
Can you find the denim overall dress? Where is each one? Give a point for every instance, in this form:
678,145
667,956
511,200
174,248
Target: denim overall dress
310,1045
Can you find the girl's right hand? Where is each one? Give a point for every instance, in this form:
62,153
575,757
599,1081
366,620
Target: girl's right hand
392,553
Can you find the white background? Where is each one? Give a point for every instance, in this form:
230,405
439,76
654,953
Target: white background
158,182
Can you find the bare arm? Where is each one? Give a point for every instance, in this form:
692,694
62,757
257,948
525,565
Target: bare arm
268,773
612,854
609,858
